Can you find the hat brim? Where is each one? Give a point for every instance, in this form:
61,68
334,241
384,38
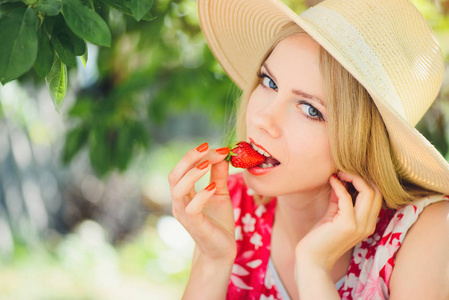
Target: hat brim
238,33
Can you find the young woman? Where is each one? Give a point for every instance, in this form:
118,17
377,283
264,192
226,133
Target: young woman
351,205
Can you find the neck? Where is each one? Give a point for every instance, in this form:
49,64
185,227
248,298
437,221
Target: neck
297,214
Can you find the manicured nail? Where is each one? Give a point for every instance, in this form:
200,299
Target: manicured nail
335,176
211,186
202,147
203,165
223,151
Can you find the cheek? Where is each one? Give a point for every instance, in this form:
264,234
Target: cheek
311,146
255,101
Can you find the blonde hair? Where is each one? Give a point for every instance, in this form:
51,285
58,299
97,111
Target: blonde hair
358,138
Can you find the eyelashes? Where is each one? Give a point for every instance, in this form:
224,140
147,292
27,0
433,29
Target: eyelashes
271,84
310,111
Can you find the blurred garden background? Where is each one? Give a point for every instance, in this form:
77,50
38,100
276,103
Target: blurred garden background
85,209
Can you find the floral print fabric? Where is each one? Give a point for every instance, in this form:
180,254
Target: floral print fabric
372,262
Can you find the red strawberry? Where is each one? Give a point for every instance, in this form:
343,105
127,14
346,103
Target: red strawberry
244,156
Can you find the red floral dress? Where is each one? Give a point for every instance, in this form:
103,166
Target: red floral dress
372,262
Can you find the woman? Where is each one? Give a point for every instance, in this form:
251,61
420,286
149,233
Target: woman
331,96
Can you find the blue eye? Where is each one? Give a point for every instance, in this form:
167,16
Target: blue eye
268,82
310,111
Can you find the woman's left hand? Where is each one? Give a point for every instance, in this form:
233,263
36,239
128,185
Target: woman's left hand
343,225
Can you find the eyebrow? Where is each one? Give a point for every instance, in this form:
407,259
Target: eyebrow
296,92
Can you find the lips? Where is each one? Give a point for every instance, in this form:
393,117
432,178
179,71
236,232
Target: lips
270,161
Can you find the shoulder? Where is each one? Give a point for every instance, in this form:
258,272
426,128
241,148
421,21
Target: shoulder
422,263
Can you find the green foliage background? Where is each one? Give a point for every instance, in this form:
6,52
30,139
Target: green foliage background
148,70
152,91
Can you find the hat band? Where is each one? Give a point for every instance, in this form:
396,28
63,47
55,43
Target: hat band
357,52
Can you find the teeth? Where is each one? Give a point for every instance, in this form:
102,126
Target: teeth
264,165
260,150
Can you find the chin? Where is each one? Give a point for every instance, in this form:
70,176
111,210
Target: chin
259,186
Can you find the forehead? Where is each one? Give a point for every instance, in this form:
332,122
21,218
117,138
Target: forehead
294,63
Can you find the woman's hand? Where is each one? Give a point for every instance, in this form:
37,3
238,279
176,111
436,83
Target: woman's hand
343,226
206,215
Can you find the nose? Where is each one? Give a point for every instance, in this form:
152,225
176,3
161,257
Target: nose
268,118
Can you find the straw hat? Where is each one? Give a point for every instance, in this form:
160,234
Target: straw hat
385,44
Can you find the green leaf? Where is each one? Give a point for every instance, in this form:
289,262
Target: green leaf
89,3
99,151
82,109
9,1
86,23
64,53
49,7
66,43
45,55
8,7
74,141
84,57
140,8
123,6
57,83
148,17
49,22
18,47
119,5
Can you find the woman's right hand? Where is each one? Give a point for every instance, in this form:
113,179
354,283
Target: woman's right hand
207,215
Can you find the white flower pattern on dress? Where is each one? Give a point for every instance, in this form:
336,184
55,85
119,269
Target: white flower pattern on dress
256,240
248,223
238,282
238,233
254,264
260,211
269,281
371,266
239,270
237,212
359,255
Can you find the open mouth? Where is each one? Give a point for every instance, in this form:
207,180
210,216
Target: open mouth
270,161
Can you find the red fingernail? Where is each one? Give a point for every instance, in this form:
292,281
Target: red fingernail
211,186
223,151
203,165
335,176
202,147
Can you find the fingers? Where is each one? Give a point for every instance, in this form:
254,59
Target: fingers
190,159
193,218
344,198
367,205
187,183
366,193
219,174
193,165
196,206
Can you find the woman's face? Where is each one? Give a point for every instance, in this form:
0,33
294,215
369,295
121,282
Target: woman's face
286,117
